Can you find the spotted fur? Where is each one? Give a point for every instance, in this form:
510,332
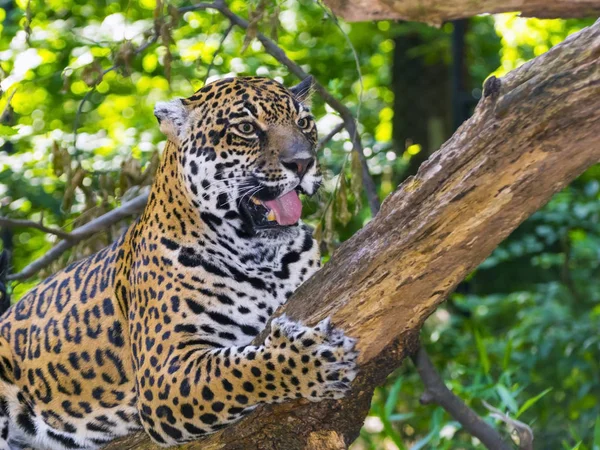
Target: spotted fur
154,331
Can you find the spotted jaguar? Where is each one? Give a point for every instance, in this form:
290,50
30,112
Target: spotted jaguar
155,331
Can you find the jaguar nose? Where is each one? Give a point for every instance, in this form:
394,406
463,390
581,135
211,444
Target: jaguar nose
298,165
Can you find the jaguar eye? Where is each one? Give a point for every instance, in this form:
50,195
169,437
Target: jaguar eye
303,123
246,128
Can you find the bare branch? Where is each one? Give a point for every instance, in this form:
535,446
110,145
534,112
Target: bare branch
7,113
78,114
200,6
522,430
437,392
20,223
217,51
329,136
101,223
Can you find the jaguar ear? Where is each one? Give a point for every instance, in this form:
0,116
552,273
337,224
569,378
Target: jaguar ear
172,117
303,90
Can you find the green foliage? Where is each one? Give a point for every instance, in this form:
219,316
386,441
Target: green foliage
77,135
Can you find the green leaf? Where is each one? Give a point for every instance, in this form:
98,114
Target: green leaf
596,443
391,432
436,418
436,424
483,355
507,398
421,443
5,130
385,412
367,438
575,434
401,417
390,403
529,403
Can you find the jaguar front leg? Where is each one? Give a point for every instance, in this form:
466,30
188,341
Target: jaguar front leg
200,391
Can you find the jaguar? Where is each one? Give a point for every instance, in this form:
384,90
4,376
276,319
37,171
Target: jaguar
156,331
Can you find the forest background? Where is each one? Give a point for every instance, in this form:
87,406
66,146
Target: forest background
77,138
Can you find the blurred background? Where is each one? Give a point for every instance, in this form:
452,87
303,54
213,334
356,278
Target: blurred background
521,332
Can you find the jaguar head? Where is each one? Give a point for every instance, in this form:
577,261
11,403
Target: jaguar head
247,147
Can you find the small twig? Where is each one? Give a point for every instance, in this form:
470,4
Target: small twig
20,223
522,430
217,51
437,392
329,136
99,224
144,46
85,98
7,113
199,6
27,24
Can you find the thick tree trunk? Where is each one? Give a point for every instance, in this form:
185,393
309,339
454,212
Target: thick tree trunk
436,12
533,132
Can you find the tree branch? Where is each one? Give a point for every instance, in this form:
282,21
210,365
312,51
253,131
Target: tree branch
437,392
19,223
436,12
530,135
329,136
85,231
217,51
522,430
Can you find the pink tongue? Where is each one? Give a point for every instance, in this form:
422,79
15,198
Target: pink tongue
287,208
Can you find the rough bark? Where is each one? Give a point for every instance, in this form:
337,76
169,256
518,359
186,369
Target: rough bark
533,132
438,11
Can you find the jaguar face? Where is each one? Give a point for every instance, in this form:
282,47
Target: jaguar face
246,145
